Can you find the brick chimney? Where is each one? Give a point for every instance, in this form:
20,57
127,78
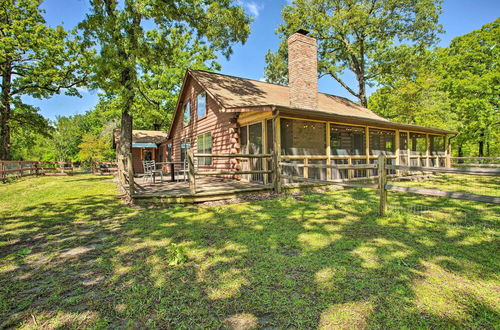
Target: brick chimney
303,70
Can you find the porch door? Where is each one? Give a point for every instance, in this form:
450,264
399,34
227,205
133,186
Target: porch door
251,143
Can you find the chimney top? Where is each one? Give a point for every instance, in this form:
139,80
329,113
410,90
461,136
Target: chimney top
302,31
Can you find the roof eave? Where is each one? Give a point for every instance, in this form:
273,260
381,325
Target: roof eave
363,120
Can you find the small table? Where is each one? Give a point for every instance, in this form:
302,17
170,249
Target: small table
172,170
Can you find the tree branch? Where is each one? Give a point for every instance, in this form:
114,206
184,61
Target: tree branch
349,89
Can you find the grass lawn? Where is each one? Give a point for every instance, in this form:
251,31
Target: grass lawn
71,255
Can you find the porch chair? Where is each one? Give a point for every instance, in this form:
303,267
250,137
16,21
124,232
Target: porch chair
150,170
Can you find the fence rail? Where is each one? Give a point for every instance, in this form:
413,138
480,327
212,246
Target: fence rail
25,168
104,168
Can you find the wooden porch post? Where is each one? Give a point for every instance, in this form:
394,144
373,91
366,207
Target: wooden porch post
447,151
427,154
367,150
382,181
265,151
408,149
191,172
276,153
130,169
328,152
396,141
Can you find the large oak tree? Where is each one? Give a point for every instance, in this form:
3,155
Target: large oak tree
355,35
35,60
130,35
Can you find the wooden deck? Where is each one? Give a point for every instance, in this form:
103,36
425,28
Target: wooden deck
207,189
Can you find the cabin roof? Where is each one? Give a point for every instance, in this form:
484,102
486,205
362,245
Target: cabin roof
143,136
234,92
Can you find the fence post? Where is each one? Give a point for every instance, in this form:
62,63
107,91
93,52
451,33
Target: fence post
191,172
382,181
276,172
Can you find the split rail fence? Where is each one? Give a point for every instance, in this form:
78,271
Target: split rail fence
104,168
384,169
33,168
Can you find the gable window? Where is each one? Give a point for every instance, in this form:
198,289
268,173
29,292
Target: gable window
202,104
187,113
204,146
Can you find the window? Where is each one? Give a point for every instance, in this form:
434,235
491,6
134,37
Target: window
335,142
347,140
437,146
185,145
205,147
201,103
187,113
382,142
169,152
358,144
300,137
418,146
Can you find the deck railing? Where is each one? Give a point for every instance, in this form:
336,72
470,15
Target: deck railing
194,172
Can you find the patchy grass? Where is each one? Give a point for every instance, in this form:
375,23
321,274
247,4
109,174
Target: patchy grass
71,255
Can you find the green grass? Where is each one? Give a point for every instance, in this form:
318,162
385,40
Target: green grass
72,255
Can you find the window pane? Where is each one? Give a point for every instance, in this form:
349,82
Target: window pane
187,114
244,139
300,137
382,142
417,144
202,104
347,140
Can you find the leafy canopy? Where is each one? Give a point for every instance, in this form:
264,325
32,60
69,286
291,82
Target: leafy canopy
35,60
355,36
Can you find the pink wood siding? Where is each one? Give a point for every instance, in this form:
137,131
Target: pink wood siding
216,122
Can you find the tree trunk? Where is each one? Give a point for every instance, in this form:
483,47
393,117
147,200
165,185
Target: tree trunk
460,153
362,90
5,112
481,145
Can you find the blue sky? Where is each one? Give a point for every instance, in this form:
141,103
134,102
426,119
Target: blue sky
459,17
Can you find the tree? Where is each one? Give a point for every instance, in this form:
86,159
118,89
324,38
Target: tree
411,90
35,60
119,32
471,76
355,35
94,149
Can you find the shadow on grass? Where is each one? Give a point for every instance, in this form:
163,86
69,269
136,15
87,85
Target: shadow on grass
325,260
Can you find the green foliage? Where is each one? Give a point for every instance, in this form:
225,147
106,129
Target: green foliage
141,69
456,87
471,76
176,255
36,61
355,35
94,149
411,92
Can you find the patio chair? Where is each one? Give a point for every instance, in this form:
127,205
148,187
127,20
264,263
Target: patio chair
150,170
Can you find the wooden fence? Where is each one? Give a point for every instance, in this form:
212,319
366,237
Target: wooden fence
475,161
32,168
383,170
104,168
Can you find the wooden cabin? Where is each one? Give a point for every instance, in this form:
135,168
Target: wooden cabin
146,145
218,113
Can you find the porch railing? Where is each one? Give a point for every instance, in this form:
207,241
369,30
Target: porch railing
194,172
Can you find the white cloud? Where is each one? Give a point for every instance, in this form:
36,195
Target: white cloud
262,79
252,7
